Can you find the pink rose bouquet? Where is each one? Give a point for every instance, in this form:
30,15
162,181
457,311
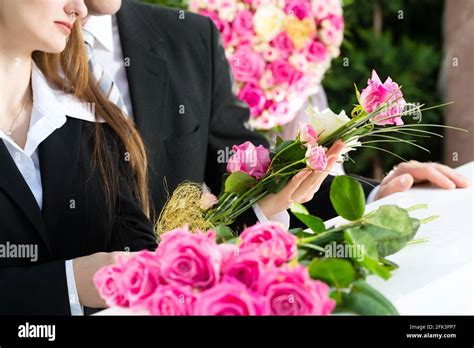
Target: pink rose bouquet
191,274
278,51
268,270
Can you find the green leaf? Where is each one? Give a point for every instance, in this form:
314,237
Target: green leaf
357,93
312,222
391,227
300,233
367,249
279,140
288,152
347,197
239,182
365,300
224,179
223,233
335,272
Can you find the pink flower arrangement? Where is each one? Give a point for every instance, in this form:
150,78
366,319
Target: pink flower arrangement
190,274
278,51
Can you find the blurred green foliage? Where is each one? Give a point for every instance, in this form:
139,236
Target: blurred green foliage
169,3
400,39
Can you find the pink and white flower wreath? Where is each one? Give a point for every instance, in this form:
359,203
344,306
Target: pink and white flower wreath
279,51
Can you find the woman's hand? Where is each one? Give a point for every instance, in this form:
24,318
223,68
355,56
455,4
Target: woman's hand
84,269
302,187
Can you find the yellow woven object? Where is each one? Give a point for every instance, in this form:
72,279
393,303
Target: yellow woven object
183,208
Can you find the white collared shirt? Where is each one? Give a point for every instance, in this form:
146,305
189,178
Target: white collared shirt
50,107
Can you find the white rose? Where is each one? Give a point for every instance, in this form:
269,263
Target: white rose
268,21
227,9
326,121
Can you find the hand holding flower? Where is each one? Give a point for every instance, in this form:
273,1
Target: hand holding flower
302,187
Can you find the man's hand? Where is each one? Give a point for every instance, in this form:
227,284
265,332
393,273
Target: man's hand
406,174
302,187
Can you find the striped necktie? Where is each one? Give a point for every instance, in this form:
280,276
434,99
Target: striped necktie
106,84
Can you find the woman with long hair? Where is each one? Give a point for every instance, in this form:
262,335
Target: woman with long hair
73,169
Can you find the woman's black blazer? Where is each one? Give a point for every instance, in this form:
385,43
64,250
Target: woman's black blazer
74,220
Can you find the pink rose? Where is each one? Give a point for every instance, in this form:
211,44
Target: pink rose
329,34
243,24
208,200
337,21
321,292
272,243
320,8
316,158
254,97
324,8
224,27
140,277
378,93
190,259
300,83
229,297
282,71
271,54
299,8
308,135
247,65
290,291
171,300
243,265
250,159
107,282
281,112
316,51
283,43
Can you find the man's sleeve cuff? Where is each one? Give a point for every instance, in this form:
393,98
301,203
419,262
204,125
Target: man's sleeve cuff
282,217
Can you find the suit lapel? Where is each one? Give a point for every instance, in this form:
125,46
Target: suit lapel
59,156
147,74
12,182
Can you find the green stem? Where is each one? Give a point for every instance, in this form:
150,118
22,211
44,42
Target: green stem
307,240
416,207
418,241
429,219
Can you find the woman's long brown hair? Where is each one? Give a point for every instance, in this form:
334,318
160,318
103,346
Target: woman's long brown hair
78,81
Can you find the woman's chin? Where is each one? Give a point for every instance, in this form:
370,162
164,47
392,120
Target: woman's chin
56,47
